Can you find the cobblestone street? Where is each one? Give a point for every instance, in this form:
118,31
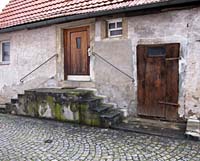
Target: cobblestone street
32,139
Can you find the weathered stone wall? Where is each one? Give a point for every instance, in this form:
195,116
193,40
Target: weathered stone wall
29,48
174,27
168,27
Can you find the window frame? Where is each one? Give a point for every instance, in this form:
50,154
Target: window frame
116,20
1,52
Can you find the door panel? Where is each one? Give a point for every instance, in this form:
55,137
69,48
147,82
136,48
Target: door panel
154,86
157,80
76,44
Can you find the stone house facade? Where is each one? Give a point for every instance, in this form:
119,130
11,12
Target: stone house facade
122,53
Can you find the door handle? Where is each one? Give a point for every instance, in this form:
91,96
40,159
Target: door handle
89,51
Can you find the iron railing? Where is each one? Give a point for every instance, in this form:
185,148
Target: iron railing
129,76
23,78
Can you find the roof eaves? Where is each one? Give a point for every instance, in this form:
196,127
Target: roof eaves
95,14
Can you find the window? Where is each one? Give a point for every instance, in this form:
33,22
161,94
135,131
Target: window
5,51
156,51
78,42
115,27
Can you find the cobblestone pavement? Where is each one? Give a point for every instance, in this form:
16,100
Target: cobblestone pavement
30,139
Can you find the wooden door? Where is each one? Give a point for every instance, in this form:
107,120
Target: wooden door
157,69
76,44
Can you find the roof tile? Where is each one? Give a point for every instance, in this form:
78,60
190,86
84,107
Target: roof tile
19,12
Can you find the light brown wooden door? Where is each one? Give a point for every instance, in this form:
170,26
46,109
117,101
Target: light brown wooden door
76,44
157,69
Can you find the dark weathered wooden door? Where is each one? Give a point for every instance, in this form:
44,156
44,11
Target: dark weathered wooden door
76,44
157,68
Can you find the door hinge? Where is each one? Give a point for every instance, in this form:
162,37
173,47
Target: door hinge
170,59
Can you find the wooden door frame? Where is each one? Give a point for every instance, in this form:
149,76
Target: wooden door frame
67,45
157,45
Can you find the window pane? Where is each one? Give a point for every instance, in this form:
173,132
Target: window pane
156,51
78,42
116,33
119,24
6,51
111,25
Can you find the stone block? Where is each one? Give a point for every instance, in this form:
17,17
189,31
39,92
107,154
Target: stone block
193,127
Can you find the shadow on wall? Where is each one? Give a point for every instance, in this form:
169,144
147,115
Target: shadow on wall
109,81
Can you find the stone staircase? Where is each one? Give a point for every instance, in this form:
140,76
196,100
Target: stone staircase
72,105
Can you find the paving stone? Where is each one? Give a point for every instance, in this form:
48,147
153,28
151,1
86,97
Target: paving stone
24,139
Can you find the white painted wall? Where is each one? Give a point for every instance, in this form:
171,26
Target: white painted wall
29,48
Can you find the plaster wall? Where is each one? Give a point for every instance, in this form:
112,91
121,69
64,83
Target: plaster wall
109,81
28,49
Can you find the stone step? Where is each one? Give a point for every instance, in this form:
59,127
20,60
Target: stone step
111,117
74,105
102,108
93,102
2,108
60,92
5,108
14,100
110,114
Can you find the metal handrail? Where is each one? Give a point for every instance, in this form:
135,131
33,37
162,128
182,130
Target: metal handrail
94,53
22,79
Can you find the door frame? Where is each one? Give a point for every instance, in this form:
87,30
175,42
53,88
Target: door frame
178,81
66,39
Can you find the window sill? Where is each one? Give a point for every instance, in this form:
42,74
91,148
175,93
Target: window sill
4,63
114,38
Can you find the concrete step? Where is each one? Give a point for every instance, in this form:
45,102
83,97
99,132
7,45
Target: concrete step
77,84
157,123
154,127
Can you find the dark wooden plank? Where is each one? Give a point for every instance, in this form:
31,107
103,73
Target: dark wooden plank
141,79
172,81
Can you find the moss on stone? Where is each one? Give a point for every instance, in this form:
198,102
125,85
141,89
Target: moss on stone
32,107
58,113
74,107
50,101
84,107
